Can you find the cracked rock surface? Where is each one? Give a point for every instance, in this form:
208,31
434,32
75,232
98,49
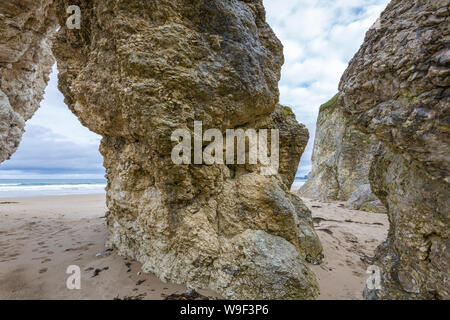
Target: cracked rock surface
397,89
26,27
138,70
134,72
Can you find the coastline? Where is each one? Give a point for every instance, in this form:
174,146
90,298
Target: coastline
24,188
42,236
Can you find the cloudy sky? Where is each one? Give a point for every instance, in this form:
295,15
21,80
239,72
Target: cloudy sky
319,38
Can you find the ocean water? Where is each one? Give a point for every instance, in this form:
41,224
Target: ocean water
18,188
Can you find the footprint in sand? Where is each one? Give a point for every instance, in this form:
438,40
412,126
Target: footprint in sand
37,258
349,263
43,270
46,260
81,248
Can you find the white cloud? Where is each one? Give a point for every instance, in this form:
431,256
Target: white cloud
56,116
319,38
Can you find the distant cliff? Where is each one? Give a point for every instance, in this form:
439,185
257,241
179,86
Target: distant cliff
341,161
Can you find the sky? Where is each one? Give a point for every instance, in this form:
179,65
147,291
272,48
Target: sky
319,38
55,144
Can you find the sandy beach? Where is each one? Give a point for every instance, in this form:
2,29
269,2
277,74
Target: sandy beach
41,236
349,238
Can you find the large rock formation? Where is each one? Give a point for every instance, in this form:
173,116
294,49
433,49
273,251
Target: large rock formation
135,72
397,89
25,63
341,161
138,70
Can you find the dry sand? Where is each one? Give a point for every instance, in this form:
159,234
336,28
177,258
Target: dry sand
349,238
41,236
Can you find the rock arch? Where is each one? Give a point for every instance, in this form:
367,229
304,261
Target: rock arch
133,73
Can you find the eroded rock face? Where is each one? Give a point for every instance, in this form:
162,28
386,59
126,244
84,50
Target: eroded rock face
341,161
25,64
138,70
397,89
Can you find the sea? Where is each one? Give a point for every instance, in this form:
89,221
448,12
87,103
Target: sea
19,188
